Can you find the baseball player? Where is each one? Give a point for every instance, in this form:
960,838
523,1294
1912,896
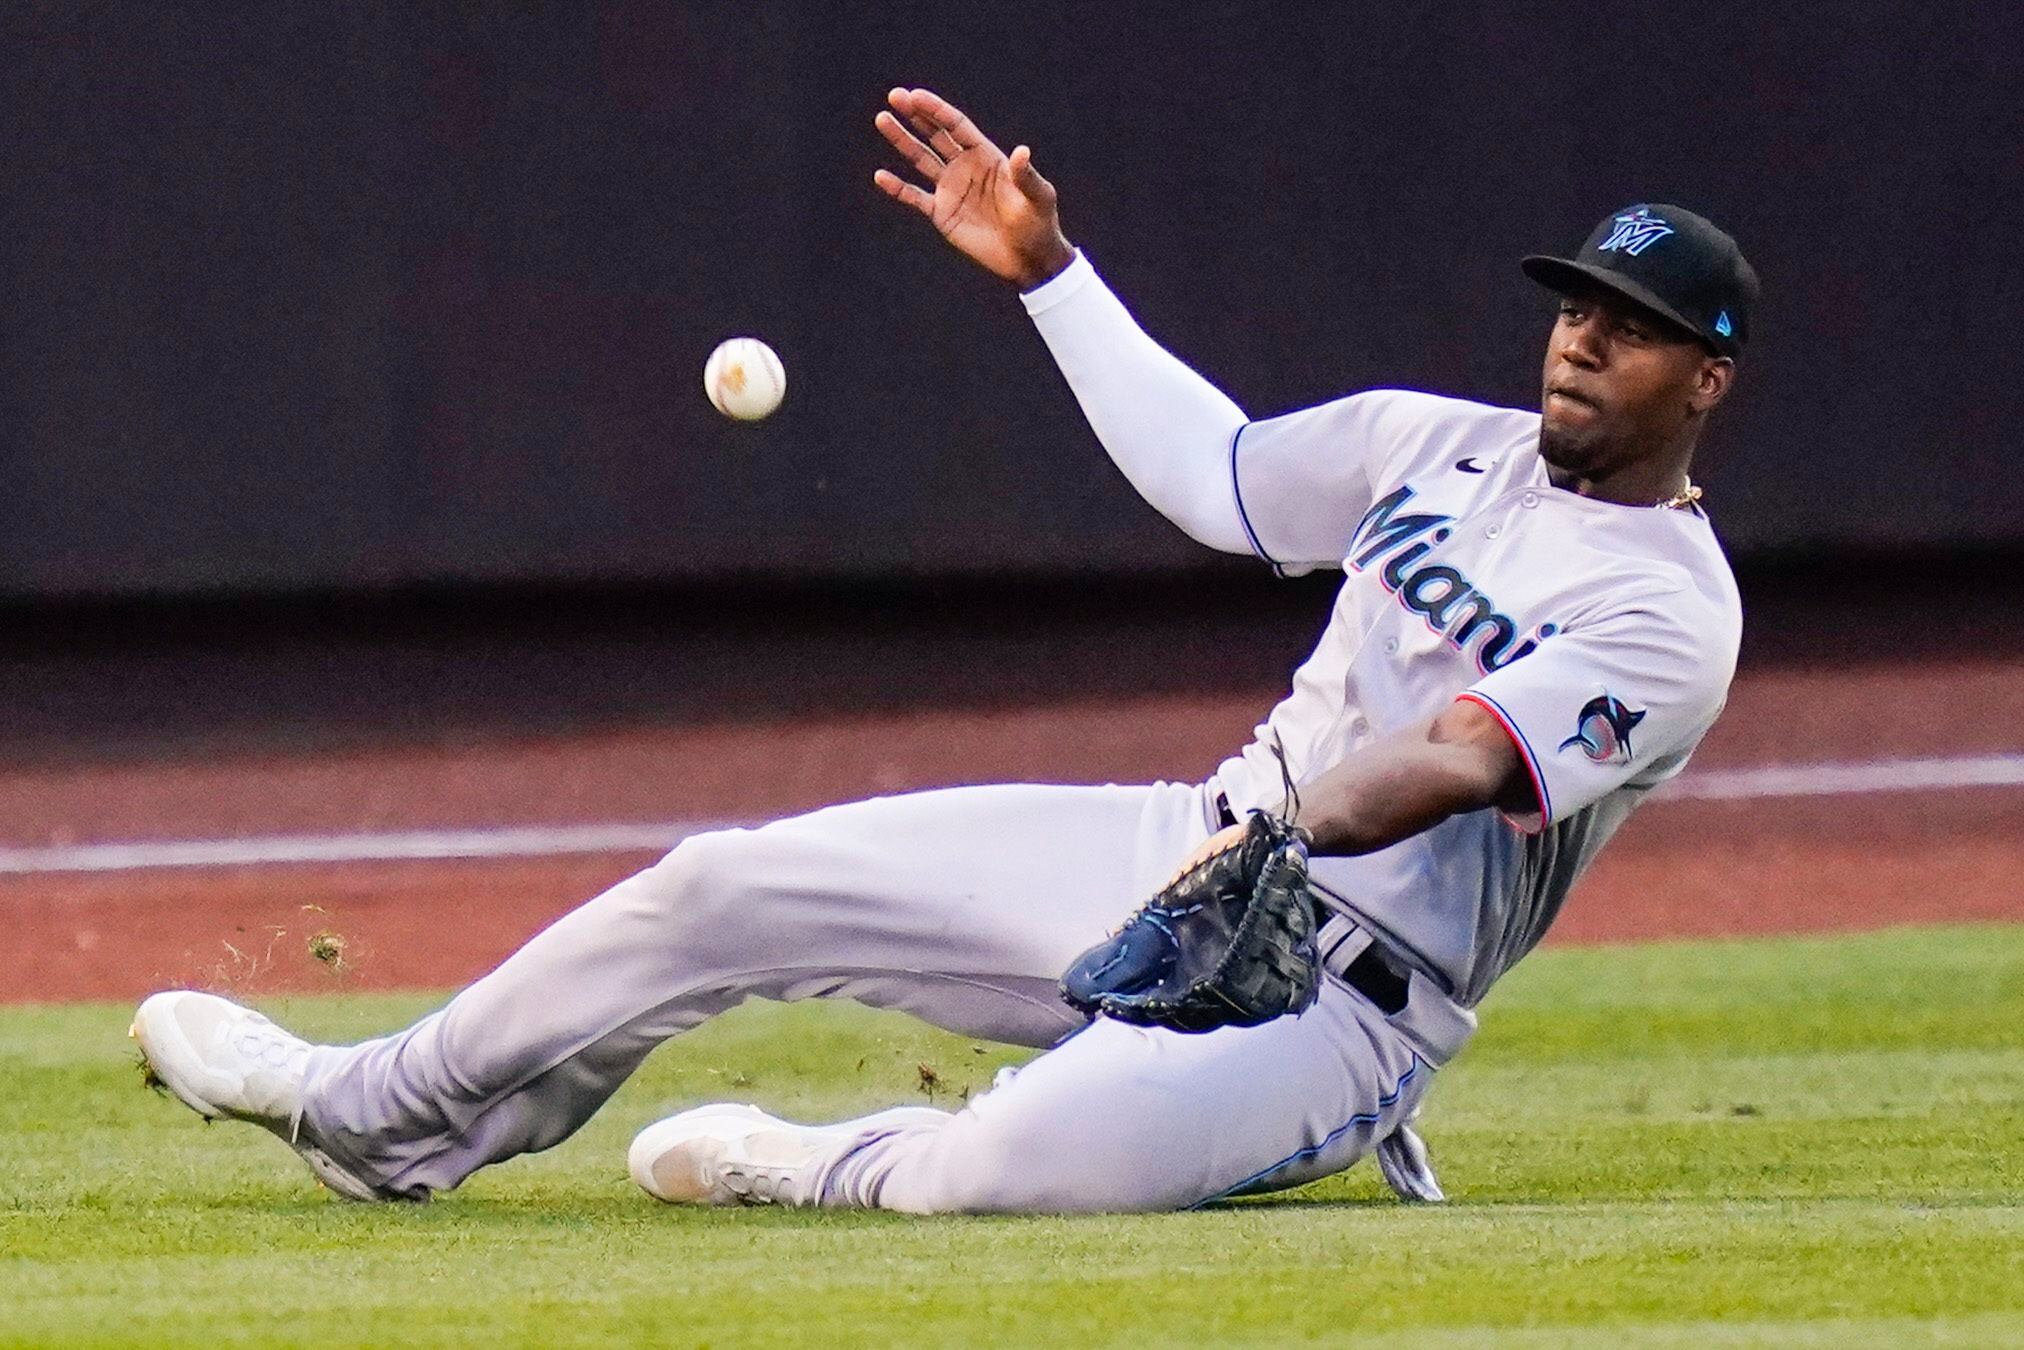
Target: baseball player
1535,627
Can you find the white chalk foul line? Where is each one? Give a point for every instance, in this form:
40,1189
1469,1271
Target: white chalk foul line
529,841
550,841
1834,780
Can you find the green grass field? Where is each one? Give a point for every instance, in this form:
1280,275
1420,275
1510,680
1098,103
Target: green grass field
1811,1142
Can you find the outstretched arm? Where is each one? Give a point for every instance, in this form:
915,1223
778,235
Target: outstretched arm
1168,429
1412,780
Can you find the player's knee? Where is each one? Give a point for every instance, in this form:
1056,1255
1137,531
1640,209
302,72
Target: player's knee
705,880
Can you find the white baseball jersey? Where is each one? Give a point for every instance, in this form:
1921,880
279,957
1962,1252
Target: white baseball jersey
1603,637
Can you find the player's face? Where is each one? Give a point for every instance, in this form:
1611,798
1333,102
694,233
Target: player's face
1621,383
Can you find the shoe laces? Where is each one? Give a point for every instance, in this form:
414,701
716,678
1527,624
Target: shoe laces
265,1049
757,1183
761,1182
271,1047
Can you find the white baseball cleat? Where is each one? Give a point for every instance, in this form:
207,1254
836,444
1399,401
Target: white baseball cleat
728,1154
228,1062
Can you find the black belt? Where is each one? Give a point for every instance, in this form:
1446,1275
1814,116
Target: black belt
1369,974
1372,976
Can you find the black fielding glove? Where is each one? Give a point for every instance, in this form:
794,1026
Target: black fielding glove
1229,942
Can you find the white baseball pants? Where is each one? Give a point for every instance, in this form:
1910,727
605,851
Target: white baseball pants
960,906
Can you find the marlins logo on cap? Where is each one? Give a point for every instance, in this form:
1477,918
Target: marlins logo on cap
1635,232
1603,730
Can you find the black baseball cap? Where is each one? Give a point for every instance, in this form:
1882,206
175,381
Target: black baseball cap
1669,260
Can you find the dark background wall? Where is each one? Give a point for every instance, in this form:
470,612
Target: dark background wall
360,295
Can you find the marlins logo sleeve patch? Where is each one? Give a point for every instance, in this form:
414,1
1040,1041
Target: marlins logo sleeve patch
1602,730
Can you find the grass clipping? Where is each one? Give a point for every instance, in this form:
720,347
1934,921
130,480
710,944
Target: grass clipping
244,967
327,948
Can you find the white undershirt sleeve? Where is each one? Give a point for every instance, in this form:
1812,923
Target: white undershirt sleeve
1168,429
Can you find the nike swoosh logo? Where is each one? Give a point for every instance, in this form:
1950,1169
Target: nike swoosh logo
1468,464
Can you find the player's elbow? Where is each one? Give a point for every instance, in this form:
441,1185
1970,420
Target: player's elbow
1480,761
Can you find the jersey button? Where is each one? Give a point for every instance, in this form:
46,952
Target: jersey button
1391,646
1530,499
1493,531
1359,727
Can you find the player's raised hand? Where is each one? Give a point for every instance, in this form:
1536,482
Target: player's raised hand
995,208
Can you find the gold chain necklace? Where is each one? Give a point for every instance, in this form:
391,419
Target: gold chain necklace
1686,499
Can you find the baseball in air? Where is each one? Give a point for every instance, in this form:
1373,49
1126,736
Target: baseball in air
744,379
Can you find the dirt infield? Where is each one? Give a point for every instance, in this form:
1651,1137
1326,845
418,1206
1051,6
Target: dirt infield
1680,868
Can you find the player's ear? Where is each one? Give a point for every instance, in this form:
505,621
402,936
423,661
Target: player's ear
1712,383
